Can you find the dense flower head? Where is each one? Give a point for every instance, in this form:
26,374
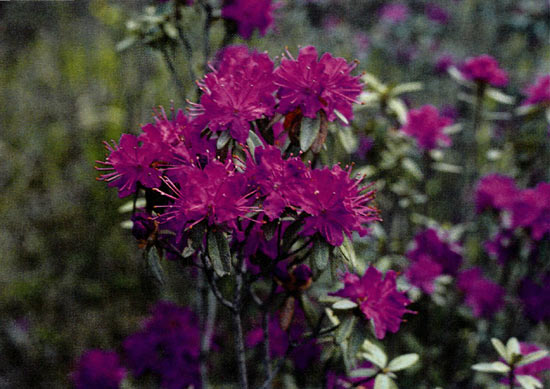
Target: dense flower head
313,85
431,245
535,369
132,164
531,210
168,347
437,14
539,92
239,91
535,298
378,299
335,204
483,296
98,369
250,15
484,69
218,194
394,12
495,191
426,126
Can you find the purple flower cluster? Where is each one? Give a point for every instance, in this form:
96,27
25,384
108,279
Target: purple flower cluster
431,257
168,347
394,13
539,92
378,299
484,69
250,15
437,14
536,298
483,296
426,126
98,369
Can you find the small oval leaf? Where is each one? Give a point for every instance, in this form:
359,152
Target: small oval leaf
492,367
382,381
402,362
344,304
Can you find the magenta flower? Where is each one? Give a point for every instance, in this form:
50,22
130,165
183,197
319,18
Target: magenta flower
484,69
495,191
426,126
217,193
531,209
335,204
539,92
483,296
536,298
132,164
250,15
168,347
98,369
535,369
444,63
240,91
423,272
502,246
437,14
312,85
394,12
378,299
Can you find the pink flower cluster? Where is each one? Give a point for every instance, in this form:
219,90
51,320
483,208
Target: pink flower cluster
426,126
250,15
484,69
539,92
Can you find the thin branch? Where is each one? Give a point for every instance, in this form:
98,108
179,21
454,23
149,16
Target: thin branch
208,271
172,68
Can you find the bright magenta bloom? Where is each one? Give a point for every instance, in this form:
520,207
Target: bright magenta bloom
132,164
484,69
531,209
495,191
335,204
539,92
378,299
238,92
482,295
313,85
426,126
250,15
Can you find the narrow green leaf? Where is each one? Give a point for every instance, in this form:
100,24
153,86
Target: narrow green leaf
125,44
289,236
223,139
253,141
447,168
348,139
501,348
341,116
532,357
500,97
382,381
348,252
411,167
402,362
129,205
312,316
374,354
218,251
548,115
491,367
358,373
529,382
153,261
344,304
513,347
406,87
346,328
320,253
196,234
399,109
308,132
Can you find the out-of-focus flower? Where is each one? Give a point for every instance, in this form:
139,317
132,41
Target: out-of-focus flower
426,126
444,63
98,369
495,191
238,92
502,246
437,14
484,69
378,299
539,92
483,296
168,347
394,12
250,15
531,209
536,298
423,272
313,85
335,204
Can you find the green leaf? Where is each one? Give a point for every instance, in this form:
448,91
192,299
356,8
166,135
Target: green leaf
153,261
129,205
523,110
312,316
344,304
500,97
528,382
341,116
346,328
196,233
402,362
501,348
513,347
308,132
219,253
374,354
320,253
125,44
348,252
253,141
447,168
548,115
406,87
223,139
411,167
382,381
532,357
348,139
289,236
399,108
492,367
358,373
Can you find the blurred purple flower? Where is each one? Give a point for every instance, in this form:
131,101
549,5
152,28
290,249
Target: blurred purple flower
437,14
502,246
250,15
98,369
495,191
168,347
539,92
484,69
394,12
536,298
483,296
450,112
531,209
423,272
443,63
426,126
378,299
